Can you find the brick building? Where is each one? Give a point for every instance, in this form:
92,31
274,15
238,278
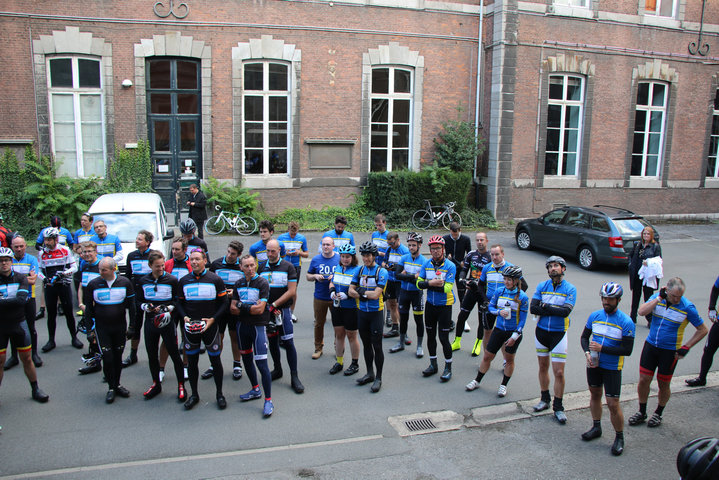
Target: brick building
581,101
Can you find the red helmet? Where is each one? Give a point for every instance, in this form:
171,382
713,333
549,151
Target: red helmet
436,239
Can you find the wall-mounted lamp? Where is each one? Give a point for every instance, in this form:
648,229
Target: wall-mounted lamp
127,83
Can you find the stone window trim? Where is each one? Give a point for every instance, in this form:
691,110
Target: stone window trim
573,8
72,42
566,64
392,55
650,17
652,71
705,181
174,44
266,48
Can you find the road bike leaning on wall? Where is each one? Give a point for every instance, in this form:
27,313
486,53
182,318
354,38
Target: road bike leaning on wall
431,217
243,224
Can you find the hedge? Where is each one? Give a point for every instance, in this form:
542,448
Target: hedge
387,192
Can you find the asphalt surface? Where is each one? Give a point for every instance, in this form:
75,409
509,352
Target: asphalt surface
338,430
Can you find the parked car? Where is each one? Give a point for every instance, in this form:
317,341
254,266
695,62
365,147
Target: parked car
593,235
125,214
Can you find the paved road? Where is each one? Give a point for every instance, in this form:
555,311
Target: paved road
338,430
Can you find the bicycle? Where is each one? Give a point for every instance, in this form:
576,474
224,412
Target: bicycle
428,218
242,224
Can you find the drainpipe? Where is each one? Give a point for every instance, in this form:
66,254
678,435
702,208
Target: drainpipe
475,179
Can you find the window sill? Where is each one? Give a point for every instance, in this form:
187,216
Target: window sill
569,11
645,182
267,181
658,21
554,181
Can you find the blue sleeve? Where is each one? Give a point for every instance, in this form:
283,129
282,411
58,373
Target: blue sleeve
352,239
382,277
538,293
571,297
483,277
451,272
70,237
589,322
41,239
118,245
523,309
355,276
493,303
716,283
629,329
282,249
693,315
313,266
305,248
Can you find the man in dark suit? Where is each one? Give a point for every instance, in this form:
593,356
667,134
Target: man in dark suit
197,203
456,247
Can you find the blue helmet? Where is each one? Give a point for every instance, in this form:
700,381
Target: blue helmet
347,248
611,290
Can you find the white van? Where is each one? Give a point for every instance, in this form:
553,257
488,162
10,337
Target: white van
125,214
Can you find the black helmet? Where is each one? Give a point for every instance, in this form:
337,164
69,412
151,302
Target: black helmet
512,271
555,259
414,237
187,226
699,459
368,247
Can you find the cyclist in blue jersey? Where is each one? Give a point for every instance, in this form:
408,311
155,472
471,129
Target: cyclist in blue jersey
665,345
712,343
64,237
367,286
394,254
379,238
339,236
14,292
84,233
552,302
407,271
320,272
108,245
607,338
249,301
259,248
28,265
296,249
344,310
510,304
437,277
138,267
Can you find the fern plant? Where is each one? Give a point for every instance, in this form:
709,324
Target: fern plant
231,198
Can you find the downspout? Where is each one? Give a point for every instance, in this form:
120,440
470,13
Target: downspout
475,179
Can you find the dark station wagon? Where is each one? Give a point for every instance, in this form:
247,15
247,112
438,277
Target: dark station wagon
593,235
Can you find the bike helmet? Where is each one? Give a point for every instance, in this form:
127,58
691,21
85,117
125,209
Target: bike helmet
51,232
55,221
555,259
512,271
435,239
187,226
347,248
5,252
414,237
611,290
368,247
699,459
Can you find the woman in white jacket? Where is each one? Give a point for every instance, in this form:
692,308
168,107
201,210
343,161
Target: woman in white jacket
643,249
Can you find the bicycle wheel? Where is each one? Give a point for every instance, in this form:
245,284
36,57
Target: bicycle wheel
246,225
422,219
451,217
215,225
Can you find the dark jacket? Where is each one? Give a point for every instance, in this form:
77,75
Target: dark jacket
639,254
197,212
457,249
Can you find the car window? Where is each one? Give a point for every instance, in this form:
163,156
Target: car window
630,226
576,218
554,217
126,225
600,224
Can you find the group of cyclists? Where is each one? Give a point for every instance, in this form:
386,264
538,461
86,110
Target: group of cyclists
252,297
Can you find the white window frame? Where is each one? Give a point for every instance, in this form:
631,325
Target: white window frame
392,95
573,3
649,109
266,93
76,91
658,8
563,103
714,136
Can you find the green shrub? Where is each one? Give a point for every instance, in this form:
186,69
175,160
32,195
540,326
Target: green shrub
359,219
230,198
130,170
472,218
457,147
406,190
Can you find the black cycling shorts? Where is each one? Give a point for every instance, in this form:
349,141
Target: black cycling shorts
210,337
17,333
499,338
611,379
660,359
344,317
391,292
488,319
411,297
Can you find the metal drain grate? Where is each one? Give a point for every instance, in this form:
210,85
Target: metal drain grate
420,424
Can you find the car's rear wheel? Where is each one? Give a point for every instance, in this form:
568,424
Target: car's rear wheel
524,241
586,257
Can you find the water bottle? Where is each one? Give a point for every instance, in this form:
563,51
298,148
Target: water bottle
507,308
594,358
336,301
